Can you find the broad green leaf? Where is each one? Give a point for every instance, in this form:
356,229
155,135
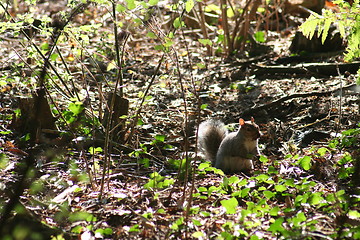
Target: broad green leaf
262,177
263,159
322,151
245,192
134,228
274,211
298,219
198,235
4,160
203,106
120,8
277,225
80,216
151,35
54,56
189,5
230,13
315,198
205,42
204,165
168,43
260,36
130,4
230,205
280,188
268,194
305,163
213,8
160,138
93,150
153,2
354,214
178,23
76,108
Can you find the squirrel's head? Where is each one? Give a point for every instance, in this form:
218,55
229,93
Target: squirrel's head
250,129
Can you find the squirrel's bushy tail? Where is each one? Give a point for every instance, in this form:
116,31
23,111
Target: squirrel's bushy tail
211,134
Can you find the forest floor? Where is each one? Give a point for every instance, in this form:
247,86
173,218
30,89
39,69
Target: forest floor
302,105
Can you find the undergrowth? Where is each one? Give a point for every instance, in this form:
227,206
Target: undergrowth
77,63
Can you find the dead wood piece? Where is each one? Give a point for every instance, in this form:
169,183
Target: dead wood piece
301,6
35,115
296,95
326,69
309,57
333,42
120,108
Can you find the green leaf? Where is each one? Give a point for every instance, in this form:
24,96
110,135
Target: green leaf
4,160
160,138
159,47
44,46
213,8
274,211
280,188
205,42
268,194
263,159
298,219
198,235
189,5
168,43
200,66
308,28
230,13
230,205
326,29
54,56
178,23
93,150
203,106
341,28
130,4
204,165
316,198
322,151
354,214
153,2
260,36
134,228
120,8
262,177
151,35
277,225
80,216
77,229
76,108
305,162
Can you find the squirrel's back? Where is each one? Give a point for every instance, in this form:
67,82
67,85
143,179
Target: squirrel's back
211,134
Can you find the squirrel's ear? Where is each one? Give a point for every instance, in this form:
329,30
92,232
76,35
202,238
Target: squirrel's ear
252,120
241,121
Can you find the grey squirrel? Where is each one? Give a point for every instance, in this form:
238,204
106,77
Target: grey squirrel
231,152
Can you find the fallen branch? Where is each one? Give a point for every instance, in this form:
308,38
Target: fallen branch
319,68
297,95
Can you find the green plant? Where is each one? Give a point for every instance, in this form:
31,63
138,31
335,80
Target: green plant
347,20
157,181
